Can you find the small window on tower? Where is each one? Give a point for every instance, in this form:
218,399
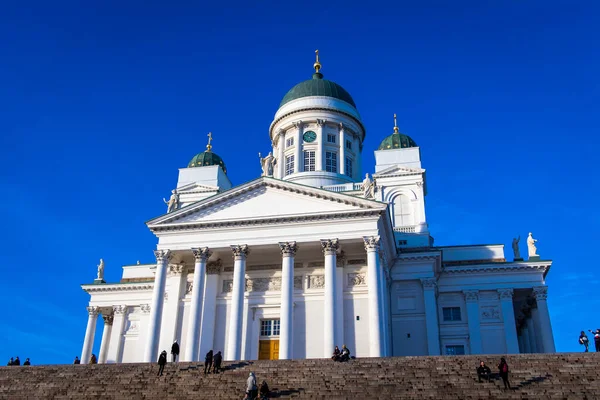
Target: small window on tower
330,161
348,144
289,142
289,165
330,138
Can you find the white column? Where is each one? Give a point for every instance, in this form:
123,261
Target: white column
298,161
209,307
541,295
281,157
431,315
508,315
532,332
384,304
535,317
90,332
373,281
339,298
472,301
195,320
108,323
116,336
330,247
156,307
234,340
286,316
320,153
170,322
342,139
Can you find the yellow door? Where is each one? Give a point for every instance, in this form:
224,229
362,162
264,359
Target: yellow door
268,350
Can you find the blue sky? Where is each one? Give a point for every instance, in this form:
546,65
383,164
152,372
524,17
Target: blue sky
102,102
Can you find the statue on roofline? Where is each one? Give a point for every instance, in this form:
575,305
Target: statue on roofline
531,246
267,164
515,247
368,187
173,203
101,270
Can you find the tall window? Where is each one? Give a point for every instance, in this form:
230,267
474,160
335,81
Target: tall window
269,327
309,161
348,166
451,313
289,165
330,161
289,142
455,350
330,138
348,145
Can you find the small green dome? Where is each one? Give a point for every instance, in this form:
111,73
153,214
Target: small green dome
207,158
397,140
317,86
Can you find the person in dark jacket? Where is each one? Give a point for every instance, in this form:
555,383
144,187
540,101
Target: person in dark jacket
27,362
264,391
503,370
345,353
583,340
17,361
175,351
162,360
217,362
208,360
11,362
596,334
76,362
483,371
336,354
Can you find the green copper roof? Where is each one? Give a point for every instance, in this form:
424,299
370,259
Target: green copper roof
207,158
397,141
317,86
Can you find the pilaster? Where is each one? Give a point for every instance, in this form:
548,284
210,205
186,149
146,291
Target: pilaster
431,315
472,302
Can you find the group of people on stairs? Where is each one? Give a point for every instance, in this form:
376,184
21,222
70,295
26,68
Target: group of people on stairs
583,339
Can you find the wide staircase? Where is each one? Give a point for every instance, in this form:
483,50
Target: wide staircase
539,376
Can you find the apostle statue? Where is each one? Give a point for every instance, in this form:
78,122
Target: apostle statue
515,247
101,270
173,203
267,164
368,187
531,246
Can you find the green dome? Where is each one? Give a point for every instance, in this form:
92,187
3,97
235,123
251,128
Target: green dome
397,140
207,158
317,86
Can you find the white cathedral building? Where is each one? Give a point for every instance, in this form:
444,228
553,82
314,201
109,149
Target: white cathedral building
312,255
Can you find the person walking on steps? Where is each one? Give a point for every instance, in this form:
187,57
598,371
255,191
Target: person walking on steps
27,362
76,362
217,362
162,360
251,388
208,360
596,334
583,340
175,351
503,369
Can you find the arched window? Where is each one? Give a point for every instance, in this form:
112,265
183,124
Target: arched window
403,213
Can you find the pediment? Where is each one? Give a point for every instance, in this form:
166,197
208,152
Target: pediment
196,188
397,170
267,199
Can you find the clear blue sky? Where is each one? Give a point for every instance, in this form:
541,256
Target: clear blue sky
102,102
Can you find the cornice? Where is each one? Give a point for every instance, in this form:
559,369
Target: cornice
118,287
488,268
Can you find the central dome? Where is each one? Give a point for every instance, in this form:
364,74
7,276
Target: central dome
317,86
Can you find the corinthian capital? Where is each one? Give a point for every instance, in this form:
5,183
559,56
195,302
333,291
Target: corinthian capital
371,243
298,124
119,309
108,319
505,294
429,283
321,122
240,251
92,310
288,249
162,255
471,295
176,269
145,308
540,292
330,246
201,254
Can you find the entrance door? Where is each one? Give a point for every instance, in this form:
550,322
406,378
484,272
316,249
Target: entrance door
268,350
268,345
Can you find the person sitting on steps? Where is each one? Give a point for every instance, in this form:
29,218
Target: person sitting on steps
336,354
76,362
483,371
345,353
93,359
264,391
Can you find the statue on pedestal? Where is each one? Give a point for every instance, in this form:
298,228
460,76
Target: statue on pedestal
531,246
515,247
100,270
267,164
368,187
173,203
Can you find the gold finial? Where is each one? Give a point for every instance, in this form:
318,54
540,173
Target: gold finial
317,64
210,138
396,130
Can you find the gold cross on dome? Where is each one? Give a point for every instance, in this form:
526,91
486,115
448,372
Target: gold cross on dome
210,138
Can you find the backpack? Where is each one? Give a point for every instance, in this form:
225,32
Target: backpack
505,368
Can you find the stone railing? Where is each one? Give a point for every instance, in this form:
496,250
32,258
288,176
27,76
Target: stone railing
345,187
406,229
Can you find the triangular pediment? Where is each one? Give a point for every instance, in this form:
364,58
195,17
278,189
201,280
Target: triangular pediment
267,199
397,170
196,188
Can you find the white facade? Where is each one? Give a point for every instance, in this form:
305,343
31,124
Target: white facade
303,260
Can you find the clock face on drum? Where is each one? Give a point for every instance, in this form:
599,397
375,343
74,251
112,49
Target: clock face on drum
309,136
